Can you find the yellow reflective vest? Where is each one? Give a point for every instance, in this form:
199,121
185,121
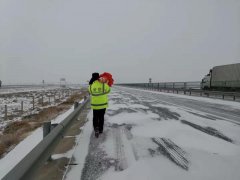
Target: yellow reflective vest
99,97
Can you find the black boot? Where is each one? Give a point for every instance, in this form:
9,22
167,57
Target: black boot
96,133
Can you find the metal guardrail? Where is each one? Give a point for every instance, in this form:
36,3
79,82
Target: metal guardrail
165,85
42,150
190,88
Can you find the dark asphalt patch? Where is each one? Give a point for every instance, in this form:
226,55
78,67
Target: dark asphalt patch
164,113
114,125
120,110
208,130
224,111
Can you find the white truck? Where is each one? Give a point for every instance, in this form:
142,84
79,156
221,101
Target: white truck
225,77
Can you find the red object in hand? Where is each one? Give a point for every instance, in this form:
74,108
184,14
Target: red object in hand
109,78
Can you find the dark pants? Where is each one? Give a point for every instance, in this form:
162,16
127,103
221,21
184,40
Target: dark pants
98,119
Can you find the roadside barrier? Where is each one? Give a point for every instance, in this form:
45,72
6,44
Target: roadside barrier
190,90
42,152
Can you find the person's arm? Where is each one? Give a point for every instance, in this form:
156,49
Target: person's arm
89,89
107,88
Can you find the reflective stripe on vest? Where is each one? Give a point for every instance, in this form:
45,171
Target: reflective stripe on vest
99,104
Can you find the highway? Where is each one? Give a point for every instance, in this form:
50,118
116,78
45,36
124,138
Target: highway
187,136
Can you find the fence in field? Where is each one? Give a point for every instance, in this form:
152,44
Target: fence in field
30,102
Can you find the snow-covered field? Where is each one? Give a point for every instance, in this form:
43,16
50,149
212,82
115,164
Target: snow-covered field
20,89
43,98
152,135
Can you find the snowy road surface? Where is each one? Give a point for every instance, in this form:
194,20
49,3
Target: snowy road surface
152,135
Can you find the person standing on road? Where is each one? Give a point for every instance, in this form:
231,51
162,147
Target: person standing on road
98,89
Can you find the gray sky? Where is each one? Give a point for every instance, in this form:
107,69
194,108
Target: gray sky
167,40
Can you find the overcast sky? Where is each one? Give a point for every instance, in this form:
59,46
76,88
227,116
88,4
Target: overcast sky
167,40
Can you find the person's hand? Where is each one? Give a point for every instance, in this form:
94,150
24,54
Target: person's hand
103,80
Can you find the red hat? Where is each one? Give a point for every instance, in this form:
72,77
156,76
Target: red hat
109,78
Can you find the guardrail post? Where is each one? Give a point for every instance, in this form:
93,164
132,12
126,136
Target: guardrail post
46,128
42,100
21,107
6,116
53,126
76,104
33,103
185,85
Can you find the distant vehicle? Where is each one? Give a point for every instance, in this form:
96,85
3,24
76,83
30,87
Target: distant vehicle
225,77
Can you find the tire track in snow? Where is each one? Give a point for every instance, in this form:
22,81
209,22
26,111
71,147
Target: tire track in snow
208,130
120,154
125,151
97,160
172,151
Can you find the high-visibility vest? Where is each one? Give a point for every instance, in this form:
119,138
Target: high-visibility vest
98,92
